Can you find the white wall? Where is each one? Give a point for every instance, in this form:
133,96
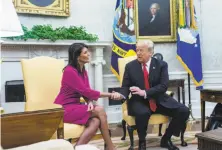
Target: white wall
95,15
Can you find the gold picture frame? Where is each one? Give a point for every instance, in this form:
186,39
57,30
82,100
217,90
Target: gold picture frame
157,31
43,7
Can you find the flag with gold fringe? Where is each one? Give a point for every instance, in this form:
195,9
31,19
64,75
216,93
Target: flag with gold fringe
124,38
188,42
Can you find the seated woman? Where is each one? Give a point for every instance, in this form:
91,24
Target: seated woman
75,84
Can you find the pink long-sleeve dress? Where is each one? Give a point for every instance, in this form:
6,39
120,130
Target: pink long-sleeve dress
74,86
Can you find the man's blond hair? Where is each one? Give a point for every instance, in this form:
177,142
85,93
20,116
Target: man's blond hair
149,44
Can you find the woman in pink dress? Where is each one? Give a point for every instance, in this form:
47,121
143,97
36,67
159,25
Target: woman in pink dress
75,84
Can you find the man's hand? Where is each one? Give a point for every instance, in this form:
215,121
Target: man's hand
116,96
90,106
137,91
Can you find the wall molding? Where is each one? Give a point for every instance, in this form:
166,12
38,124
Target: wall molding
14,43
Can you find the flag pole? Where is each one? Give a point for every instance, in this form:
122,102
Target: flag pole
189,94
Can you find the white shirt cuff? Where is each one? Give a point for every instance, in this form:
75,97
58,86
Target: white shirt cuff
123,96
144,94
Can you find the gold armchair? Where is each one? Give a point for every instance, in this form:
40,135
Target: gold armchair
155,119
42,78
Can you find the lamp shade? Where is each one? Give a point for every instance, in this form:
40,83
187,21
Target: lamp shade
9,21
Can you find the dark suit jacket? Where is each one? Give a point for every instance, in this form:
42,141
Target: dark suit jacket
159,26
158,80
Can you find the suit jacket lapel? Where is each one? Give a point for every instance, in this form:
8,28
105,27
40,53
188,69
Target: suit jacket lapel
139,72
151,71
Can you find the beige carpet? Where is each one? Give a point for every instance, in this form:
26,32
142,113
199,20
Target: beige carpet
152,141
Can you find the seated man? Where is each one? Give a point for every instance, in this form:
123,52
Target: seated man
147,80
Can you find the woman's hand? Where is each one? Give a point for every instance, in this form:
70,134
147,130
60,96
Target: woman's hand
116,96
90,106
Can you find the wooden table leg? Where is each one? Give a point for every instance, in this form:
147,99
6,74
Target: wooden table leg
60,130
203,115
183,94
178,92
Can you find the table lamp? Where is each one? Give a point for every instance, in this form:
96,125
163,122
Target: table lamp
9,22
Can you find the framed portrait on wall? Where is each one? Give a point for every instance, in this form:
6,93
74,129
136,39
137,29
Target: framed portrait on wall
43,7
156,20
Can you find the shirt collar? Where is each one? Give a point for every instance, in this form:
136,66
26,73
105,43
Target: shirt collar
148,63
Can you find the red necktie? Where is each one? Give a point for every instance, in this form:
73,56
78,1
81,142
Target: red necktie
147,86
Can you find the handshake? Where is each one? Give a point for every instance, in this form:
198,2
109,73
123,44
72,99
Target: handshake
134,90
116,96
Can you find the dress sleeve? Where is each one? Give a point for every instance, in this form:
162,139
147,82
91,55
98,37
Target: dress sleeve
87,79
73,80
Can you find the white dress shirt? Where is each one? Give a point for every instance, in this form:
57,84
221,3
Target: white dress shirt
152,18
147,66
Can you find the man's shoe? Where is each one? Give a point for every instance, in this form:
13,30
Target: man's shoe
168,144
142,145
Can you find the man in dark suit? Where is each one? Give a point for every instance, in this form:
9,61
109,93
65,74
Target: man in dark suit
147,80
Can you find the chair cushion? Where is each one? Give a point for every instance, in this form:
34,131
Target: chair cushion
42,88
154,119
71,131
158,119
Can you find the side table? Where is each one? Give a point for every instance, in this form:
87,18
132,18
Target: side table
24,128
208,95
179,84
210,140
